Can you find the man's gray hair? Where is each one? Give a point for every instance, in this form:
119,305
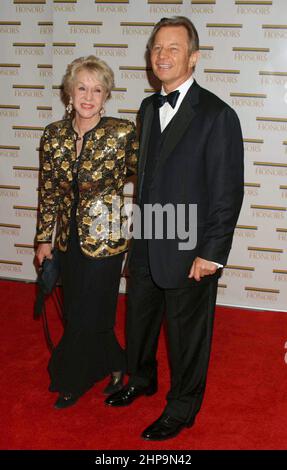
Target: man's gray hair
177,21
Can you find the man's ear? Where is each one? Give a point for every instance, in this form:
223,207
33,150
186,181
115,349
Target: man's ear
194,57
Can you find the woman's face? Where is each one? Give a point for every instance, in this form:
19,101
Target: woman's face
88,95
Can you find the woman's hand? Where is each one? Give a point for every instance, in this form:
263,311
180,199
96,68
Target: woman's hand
44,250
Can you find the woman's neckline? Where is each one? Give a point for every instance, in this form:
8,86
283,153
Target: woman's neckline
88,131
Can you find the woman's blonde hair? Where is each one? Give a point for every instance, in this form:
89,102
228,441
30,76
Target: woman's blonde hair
91,64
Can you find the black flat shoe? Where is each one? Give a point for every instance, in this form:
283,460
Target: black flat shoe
129,393
164,428
66,400
115,384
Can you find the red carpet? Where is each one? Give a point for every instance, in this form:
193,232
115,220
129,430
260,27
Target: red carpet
245,405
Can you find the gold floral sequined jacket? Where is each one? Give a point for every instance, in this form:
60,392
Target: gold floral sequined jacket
108,155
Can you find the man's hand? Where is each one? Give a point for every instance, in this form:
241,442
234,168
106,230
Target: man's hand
200,268
44,250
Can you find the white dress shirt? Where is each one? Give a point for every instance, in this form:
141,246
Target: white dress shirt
166,113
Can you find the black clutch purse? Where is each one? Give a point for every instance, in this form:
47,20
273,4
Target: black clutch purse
48,276
49,273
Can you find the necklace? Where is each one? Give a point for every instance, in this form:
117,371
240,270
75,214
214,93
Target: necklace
80,135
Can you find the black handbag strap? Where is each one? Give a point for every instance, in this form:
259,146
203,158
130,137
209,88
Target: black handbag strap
48,338
49,341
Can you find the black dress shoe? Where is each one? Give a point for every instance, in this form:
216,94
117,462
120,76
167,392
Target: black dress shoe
65,400
129,393
164,428
115,384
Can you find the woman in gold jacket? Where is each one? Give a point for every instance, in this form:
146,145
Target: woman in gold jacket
84,165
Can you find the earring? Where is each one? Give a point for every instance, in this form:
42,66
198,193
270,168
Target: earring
69,107
102,111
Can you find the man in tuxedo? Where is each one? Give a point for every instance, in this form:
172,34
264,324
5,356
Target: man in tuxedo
191,153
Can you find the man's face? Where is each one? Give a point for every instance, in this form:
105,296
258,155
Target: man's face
170,59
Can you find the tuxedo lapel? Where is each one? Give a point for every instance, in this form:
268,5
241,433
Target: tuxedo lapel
180,123
144,140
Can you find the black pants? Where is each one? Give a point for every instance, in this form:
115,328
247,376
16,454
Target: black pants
88,350
189,315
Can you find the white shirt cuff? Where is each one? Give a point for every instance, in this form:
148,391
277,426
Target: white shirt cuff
217,264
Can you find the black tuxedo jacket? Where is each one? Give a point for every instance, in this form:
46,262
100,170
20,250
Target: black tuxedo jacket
200,162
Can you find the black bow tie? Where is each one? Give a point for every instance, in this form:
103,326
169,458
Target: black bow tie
171,98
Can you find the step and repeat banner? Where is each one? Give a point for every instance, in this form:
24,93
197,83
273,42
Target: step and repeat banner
243,60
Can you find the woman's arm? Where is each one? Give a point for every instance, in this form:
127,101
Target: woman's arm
132,151
48,194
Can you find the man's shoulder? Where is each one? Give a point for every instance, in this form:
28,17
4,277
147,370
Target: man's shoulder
146,101
211,100
214,106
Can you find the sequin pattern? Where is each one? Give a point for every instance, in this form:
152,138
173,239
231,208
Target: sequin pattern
109,153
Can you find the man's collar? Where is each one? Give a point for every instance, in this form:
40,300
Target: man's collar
181,88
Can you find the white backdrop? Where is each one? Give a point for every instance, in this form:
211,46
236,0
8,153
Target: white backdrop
243,60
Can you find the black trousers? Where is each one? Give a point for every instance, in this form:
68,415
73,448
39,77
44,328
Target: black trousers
189,315
88,350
